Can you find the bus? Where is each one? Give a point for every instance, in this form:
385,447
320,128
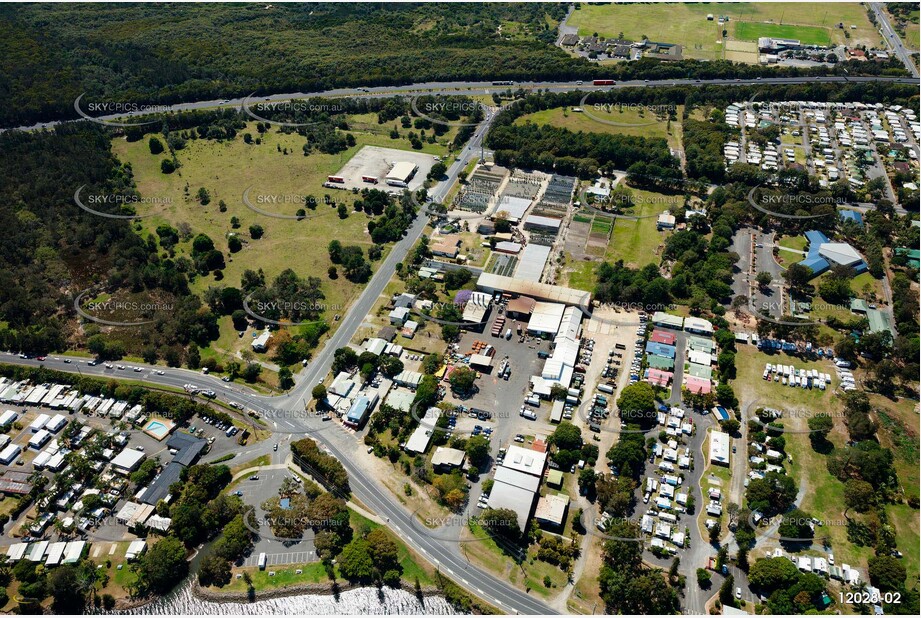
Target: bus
603,82
504,83
338,179
263,560
371,179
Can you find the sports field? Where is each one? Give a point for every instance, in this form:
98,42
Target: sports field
807,35
687,24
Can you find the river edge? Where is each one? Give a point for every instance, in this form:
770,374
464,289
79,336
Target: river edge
329,589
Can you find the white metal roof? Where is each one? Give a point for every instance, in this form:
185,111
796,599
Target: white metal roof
540,291
531,262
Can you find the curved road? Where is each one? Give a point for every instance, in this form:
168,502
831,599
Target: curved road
287,412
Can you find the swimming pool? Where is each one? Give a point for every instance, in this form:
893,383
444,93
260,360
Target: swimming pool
157,429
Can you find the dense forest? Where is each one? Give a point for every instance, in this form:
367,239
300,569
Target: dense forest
161,54
52,250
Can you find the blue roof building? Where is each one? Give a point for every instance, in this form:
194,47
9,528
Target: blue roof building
359,411
660,349
822,253
851,215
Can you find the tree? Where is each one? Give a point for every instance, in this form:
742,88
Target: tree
637,404
214,571
355,562
703,578
886,572
66,590
772,573
764,279
726,591
462,380
795,526
342,211
285,379
155,145
234,244
383,550
772,494
859,495
477,449
335,251
318,392
162,566
501,522
256,231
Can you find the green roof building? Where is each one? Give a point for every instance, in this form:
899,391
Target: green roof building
660,362
700,371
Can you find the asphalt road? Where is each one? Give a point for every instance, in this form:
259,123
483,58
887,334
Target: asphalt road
892,39
473,88
286,413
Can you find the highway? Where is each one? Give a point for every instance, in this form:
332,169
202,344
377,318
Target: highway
479,88
287,412
893,39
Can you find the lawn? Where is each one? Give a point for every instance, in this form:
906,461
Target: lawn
808,35
647,123
412,568
637,242
751,388
226,170
284,576
528,574
581,275
687,25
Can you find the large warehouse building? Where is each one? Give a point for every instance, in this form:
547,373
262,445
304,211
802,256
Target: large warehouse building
401,173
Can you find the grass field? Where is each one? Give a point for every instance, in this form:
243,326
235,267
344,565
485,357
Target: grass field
649,123
528,574
637,242
808,35
226,170
687,25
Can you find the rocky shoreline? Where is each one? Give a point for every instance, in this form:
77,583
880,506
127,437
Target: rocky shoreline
326,588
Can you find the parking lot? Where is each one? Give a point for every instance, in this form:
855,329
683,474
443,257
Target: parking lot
505,398
376,162
278,551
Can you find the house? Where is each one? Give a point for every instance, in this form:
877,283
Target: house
399,316
419,441
360,410
261,343
551,510
446,459
446,245
666,221
127,461
719,448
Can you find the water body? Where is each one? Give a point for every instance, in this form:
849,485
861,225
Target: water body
181,602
